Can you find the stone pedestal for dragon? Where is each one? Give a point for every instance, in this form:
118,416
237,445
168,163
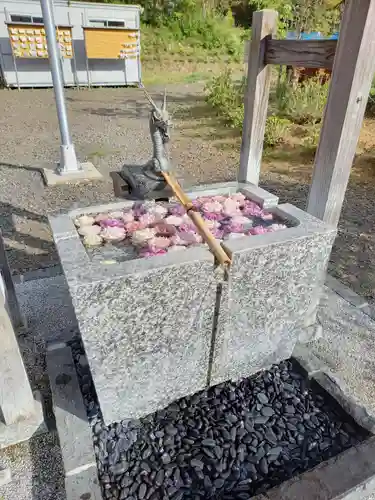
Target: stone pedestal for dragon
146,180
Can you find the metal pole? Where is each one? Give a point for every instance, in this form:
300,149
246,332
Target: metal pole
68,159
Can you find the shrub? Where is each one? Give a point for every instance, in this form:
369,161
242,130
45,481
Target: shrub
302,104
276,131
226,96
192,33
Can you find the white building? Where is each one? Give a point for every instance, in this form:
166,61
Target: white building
102,44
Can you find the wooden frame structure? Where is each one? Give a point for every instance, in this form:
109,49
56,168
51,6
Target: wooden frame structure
352,60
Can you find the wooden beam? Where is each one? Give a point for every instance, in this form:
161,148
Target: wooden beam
352,75
256,96
301,53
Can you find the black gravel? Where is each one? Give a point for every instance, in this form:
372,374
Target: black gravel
230,442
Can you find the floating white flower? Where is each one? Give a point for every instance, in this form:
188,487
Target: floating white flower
113,234
84,220
92,240
141,236
88,230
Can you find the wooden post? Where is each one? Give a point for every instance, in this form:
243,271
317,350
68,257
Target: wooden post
352,74
256,97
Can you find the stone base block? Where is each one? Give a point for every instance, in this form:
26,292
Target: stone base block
75,436
23,430
87,173
349,476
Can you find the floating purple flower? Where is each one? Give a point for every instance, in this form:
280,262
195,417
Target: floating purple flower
218,233
251,208
187,228
112,223
233,227
176,209
213,216
138,209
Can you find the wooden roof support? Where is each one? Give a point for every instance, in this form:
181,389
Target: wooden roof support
353,70
256,96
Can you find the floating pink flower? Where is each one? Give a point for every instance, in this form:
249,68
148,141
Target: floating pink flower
127,217
258,230
177,240
188,227
147,219
159,242
266,216
113,234
213,216
111,223
146,252
239,198
212,207
174,220
231,207
165,230
133,226
190,238
219,198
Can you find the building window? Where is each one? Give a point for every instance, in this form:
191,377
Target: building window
17,18
116,24
106,23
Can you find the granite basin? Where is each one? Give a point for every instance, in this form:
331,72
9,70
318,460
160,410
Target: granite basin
157,329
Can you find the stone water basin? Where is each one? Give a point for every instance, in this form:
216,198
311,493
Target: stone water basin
157,329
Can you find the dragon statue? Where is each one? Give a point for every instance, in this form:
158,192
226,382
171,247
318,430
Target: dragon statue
147,180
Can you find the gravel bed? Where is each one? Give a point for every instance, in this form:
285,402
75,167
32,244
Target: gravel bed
230,442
